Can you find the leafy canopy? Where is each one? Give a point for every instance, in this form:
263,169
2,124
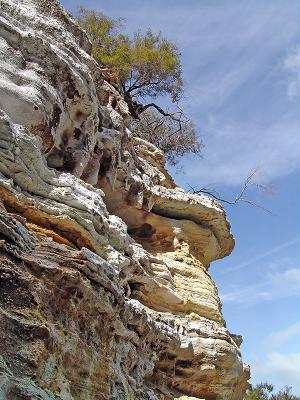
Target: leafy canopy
264,391
147,64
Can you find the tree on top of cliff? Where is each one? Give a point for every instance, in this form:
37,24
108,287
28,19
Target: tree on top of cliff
147,64
144,67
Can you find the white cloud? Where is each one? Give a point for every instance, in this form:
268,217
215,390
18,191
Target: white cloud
288,280
226,47
278,368
292,65
232,151
284,336
280,280
263,255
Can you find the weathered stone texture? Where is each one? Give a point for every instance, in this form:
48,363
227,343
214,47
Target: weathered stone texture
104,284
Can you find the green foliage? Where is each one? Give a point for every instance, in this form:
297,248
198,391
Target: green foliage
173,138
147,64
259,392
264,391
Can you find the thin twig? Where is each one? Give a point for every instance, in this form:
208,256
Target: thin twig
240,197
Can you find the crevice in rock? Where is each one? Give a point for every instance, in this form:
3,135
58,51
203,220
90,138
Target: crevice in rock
43,224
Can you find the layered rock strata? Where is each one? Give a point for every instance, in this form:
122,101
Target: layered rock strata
105,290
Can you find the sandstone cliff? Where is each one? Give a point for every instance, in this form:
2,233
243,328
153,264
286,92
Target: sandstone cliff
105,290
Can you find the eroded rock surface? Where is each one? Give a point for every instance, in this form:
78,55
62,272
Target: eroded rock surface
105,290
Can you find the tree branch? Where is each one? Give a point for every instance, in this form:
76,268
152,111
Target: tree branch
135,86
161,111
240,197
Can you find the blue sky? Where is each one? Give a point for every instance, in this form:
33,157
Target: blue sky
241,63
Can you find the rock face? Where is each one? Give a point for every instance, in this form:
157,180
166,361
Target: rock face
105,290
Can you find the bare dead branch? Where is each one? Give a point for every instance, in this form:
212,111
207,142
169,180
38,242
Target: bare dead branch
168,131
205,191
241,196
